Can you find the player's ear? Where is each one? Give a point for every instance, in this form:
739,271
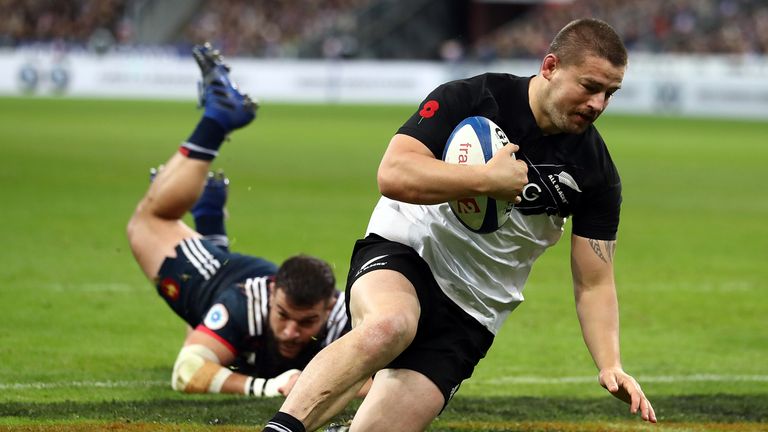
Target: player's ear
331,304
548,65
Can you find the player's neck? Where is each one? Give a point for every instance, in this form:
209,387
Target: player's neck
536,94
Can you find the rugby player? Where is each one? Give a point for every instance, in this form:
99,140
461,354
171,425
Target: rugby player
253,325
426,295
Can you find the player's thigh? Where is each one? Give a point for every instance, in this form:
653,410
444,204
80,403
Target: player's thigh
399,400
385,296
153,240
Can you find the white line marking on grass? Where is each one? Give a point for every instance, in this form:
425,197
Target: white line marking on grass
83,384
706,377
646,379
107,287
496,381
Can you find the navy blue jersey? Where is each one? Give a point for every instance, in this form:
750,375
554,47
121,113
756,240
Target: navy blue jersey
568,174
225,294
239,319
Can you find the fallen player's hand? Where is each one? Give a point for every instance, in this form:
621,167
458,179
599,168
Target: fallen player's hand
271,387
622,386
285,389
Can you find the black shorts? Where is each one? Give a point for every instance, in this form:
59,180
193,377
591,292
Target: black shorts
449,342
190,281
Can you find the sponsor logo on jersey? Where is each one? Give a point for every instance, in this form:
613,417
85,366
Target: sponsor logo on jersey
170,289
551,190
531,192
453,391
217,317
375,262
567,180
556,185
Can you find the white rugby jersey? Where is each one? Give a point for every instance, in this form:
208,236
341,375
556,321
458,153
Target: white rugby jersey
482,273
569,176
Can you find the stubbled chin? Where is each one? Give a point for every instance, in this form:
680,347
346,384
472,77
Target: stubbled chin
579,124
287,352
580,128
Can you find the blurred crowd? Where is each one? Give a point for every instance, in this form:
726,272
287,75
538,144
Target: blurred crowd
74,22
279,28
271,28
656,26
239,27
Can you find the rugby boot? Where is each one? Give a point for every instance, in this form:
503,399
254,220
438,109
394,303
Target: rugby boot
218,94
338,427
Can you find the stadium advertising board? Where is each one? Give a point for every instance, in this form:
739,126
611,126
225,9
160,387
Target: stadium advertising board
688,86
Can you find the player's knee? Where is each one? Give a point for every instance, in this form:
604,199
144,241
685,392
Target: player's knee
136,233
130,230
391,333
135,223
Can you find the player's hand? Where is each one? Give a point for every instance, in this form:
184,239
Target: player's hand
275,386
288,386
622,386
507,175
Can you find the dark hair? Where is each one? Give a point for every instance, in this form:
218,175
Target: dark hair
588,36
305,280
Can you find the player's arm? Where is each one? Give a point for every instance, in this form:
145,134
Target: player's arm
409,172
598,312
201,368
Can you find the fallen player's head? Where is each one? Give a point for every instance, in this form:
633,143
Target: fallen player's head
301,298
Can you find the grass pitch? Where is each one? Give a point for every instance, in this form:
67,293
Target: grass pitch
87,344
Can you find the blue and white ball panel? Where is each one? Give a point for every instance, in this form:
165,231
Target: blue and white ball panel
474,141
470,143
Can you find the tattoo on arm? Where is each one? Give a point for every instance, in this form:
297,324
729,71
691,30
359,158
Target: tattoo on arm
606,251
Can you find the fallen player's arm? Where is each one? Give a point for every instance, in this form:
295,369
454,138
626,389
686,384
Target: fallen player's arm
199,368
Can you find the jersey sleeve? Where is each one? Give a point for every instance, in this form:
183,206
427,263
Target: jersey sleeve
227,320
443,109
597,214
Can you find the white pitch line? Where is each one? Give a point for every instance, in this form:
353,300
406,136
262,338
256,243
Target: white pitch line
496,381
642,379
96,287
83,384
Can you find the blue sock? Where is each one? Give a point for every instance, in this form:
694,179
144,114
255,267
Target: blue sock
212,228
208,211
283,422
205,140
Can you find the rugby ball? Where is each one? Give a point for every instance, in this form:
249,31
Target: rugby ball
474,141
